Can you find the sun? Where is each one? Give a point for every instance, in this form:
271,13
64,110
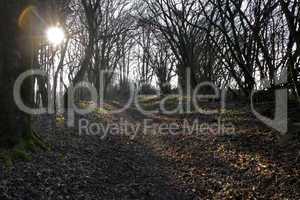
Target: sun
55,35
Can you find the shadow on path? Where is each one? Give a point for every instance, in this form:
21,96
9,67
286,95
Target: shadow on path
89,168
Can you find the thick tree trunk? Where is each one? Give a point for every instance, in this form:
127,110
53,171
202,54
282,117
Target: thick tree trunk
187,78
15,58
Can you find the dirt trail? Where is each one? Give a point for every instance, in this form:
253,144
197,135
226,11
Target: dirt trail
247,165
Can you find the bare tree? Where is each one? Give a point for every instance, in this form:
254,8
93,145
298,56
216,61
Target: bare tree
163,63
292,13
174,20
17,55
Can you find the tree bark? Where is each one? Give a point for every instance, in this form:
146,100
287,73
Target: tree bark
16,49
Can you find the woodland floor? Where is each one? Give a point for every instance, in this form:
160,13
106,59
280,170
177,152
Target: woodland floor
248,165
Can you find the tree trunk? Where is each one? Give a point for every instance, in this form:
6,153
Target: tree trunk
187,78
15,58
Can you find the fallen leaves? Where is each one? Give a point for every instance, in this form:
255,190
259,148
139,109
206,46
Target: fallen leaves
249,165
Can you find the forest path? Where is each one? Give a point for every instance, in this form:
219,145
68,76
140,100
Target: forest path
248,164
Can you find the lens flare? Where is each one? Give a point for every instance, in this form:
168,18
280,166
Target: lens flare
55,35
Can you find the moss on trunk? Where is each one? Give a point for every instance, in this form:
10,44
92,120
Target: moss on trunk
16,56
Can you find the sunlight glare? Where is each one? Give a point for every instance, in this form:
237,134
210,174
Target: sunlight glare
55,35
